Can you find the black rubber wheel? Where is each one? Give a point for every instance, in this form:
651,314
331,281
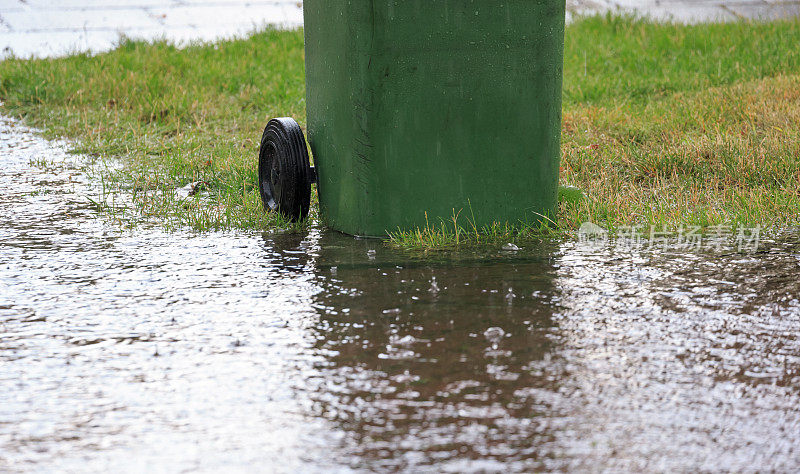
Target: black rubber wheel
284,170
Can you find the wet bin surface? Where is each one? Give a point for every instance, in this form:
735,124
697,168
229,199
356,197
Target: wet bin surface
424,111
128,349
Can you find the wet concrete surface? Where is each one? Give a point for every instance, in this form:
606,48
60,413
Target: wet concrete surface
690,11
58,27
132,350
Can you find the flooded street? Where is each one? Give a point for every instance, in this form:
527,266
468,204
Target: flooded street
142,349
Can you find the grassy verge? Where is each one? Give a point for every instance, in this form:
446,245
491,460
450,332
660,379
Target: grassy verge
664,125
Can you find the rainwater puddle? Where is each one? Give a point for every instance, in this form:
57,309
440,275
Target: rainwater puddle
133,350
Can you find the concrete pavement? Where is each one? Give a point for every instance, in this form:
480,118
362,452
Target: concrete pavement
691,11
58,27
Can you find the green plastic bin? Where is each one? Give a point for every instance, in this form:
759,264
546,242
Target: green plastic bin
422,110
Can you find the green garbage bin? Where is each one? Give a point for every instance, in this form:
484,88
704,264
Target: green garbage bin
419,110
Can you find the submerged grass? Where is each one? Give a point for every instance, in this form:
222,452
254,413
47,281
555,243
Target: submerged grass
664,125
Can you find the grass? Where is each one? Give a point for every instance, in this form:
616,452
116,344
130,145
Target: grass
664,125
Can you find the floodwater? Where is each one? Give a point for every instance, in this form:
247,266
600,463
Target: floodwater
128,350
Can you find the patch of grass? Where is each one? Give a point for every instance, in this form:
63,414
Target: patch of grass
609,60
173,116
724,155
454,234
664,125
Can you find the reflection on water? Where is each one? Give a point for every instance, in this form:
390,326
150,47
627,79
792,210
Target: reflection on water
425,359
132,349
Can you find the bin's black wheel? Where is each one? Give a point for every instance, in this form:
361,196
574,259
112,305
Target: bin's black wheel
284,170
